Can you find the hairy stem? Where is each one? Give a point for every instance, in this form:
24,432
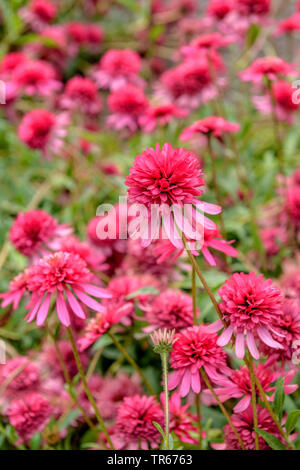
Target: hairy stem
164,361
253,401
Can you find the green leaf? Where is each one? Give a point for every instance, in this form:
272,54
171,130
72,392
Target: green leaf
279,398
143,290
159,428
171,442
292,421
273,442
69,419
35,442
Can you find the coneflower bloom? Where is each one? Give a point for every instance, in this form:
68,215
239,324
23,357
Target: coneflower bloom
94,259
181,420
35,77
267,67
29,415
166,183
117,68
134,421
40,129
214,126
61,275
38,14
251,306
219,9
238,385
49,361
206,44
160,115
252,7
126,104
172,309
289,25
195,347
19,376
33,232
11,61
81,95
282,93
16,290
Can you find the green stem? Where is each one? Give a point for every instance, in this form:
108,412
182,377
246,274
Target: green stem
199,421
164,361
194,296
197,397
132,362
253,401
86,387
222,407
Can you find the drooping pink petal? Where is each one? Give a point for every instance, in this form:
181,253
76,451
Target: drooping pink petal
75,305
225,337
242,404
91,303
43,310
185,383
240,345
62,310
265,336
251,345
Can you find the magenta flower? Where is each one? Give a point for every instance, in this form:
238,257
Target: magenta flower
17,289
181,420
161,178
219,9
211,126
20,376
282,93
160,115
269,67
251,307
35,77
134,421
195,347
127,104
38,14
81,95
61,275
289,25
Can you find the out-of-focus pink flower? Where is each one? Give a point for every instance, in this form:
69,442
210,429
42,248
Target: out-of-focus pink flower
35,77
81,95
219,9
19,376
172,309
206,44
29,415
267,67
293,204
94,259
10,62
251,306
43,130
49,360
289,25
181,420
33,232
160,115
285,106
59,275
117,68
38,14
273,239
211,126
164,178
252,7
134,421
195,347
17,289
127,104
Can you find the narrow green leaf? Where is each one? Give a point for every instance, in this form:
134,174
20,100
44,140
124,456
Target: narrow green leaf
159,428
273,442
292,421
279,398
143,290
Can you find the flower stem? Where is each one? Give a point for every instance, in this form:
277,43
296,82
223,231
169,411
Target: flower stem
194,292
132,362
222,407
253,401
197,397
164,361
86,387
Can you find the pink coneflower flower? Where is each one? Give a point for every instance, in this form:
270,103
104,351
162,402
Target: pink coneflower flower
114,390
19,376
10,62
94,36
49,360
17,289
273,238
29,415
102,323
127,104
252,7
292,203
134,422
206,44
117,68
59,275
33,232
195,347
267,67
251,306
181,420
164,182
238,385
219,9
211,239
211,126
172,309
189,84
160,115
36,77
56,52
77,34
38,14
81,95
40,129
289,25
94,259
282,93
244,425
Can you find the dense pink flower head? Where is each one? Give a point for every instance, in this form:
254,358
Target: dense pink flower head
160,115
33,232
94,259
35,77
252,7
44,9
244,425
49,360
127,104
289,25
211,126
29,415
172,309
43,130
135,418
219,9
273,238
283,95
10,61
117,68
20,376
195,347
76,32
293,204
206,44
62,274
81,94
250,306
181,420
17,289
270,67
